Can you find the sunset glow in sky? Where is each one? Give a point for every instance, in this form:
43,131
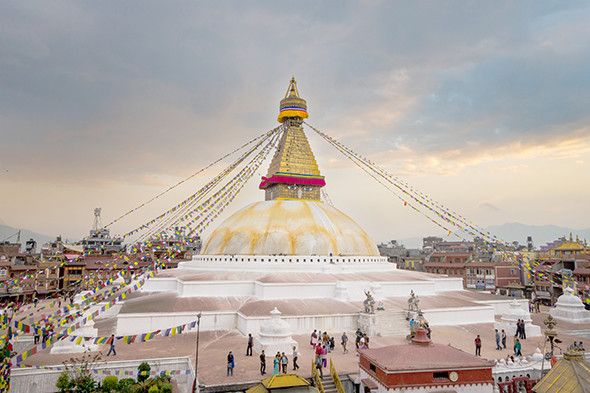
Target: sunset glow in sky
483,105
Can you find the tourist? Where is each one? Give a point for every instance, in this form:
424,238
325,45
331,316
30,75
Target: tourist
324,356
36,336
503,339
318,365
517,347
112,347
284,362
313,341
44,334
230,364
275,364
250,345
357,340
366,341
522,330
262,363
477,346
498,346
344,341
295,357
331,343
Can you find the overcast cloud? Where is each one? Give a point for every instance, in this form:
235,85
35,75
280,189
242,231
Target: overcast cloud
109,98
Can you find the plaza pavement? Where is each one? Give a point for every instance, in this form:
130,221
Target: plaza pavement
214,347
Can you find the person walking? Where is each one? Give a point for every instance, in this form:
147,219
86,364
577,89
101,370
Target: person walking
295,357
231,363
36,336
344,341
250,345
318,365
477,346
284,362
503,339
517,347
498,346
275,363
313,340
262,363
357,340
324,356
112,348
522,330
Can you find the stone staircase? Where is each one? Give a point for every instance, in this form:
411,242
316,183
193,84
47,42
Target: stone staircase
328,383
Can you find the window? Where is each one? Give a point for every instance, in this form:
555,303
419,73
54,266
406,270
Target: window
440,375
372,367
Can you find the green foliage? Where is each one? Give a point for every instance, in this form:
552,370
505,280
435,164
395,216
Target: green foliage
143,372
110,383
154,389
125,385
142,387
63,382
84,384
166,388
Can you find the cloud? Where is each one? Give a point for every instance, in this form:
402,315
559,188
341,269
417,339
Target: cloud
140,94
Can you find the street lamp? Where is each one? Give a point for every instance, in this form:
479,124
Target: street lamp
195,388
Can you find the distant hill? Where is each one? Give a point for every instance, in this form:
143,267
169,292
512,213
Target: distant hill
515,231
541,234
6,231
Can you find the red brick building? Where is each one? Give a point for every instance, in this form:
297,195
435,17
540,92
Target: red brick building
424,367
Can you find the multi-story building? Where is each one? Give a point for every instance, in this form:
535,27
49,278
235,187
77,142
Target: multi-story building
451,263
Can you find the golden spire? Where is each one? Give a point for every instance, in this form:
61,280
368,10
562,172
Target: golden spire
293,171
292,106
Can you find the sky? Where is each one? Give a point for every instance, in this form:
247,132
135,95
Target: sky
482,105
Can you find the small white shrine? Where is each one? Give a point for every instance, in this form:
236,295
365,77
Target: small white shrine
510,318
570,308
274,336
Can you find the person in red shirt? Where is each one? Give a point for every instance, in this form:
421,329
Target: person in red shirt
477,346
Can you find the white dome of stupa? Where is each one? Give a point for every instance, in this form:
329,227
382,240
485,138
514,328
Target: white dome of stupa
568,299
290,227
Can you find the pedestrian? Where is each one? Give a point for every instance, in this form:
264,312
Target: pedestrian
344,341
523,330
44,334
284,362
318,365
262,363
275,363
357,340
366,341
295,357
498,346
36,336
324,356
362,344
517,347
313,340
230,364
503,339
477,346
112,347
250,345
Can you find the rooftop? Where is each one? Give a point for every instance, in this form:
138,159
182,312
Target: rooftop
413,357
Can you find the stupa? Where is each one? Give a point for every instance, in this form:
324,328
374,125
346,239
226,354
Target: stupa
570,308
511,317
294,252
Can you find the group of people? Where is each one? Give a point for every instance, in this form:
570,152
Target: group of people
280,362
520,330
500,343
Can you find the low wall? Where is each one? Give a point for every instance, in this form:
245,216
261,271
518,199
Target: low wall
468,315
146,322
42,380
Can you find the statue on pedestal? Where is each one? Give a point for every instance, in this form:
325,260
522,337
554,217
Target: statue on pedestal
369,303
413,306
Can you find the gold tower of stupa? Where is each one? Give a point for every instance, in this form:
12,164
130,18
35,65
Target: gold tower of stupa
293,172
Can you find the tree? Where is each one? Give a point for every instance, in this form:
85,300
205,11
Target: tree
143,372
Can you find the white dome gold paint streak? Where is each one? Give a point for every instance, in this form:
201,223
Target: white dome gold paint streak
290,227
